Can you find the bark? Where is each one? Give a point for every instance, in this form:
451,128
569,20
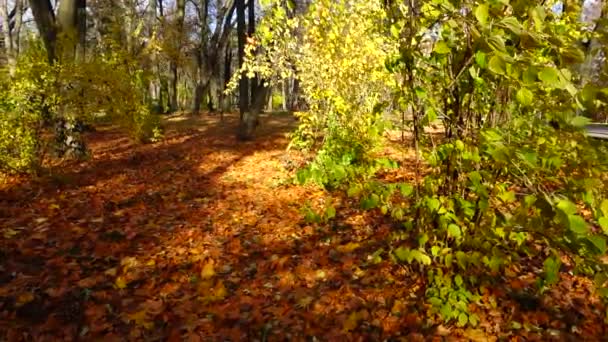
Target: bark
250,119
250,33
200,58
81,22
6,34
225,102
243,82
179,22
45,22
16,36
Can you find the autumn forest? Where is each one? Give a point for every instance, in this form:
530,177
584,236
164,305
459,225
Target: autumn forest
303,170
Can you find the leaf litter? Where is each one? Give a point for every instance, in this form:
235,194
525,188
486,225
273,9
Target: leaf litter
200,237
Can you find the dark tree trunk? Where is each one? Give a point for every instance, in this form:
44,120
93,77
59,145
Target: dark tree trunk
250,120
243,83
45,22
250,32
181,8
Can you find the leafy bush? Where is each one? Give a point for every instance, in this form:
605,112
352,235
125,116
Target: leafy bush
341,76
40,94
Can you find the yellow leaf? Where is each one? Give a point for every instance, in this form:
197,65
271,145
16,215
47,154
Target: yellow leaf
128,262
121,282
140,318
208,270
111,272
349,247
54,206
219,292
24,298
9,233
352,321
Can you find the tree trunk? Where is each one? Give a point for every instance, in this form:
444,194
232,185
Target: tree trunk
19,9
6,35
250,33
45,22
179,22
250,120
200,57
243,82
227,76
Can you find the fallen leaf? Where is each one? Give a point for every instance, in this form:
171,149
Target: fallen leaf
111,272
9,233
121,282
87,282
140,319
349,247
352,321
208,270
24,298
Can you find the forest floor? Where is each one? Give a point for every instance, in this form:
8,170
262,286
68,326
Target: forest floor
202,238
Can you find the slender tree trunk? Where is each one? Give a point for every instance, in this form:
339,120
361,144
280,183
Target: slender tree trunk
6,35
227,76
243,83
201,58
250,32
179,22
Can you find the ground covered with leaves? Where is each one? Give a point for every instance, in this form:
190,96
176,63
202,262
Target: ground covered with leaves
199,237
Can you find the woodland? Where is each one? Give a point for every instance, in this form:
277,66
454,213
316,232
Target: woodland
306,170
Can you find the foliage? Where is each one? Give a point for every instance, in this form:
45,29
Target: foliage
341,76
493,194
39,94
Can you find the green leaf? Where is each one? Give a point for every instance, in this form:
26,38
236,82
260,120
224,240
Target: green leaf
549,77
580,121
577,225
421,257
599,242
603,222
461,258
303,176
370,202
436,302
481,13
529,75
567,207
551,269
406,189
458,280
403,254
497,65
512,24
330,212
353,191
539,15
524,96
454,231
497,44
463,319
395,31
433,204
480,59
604,207
507,196
474,320
442,48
